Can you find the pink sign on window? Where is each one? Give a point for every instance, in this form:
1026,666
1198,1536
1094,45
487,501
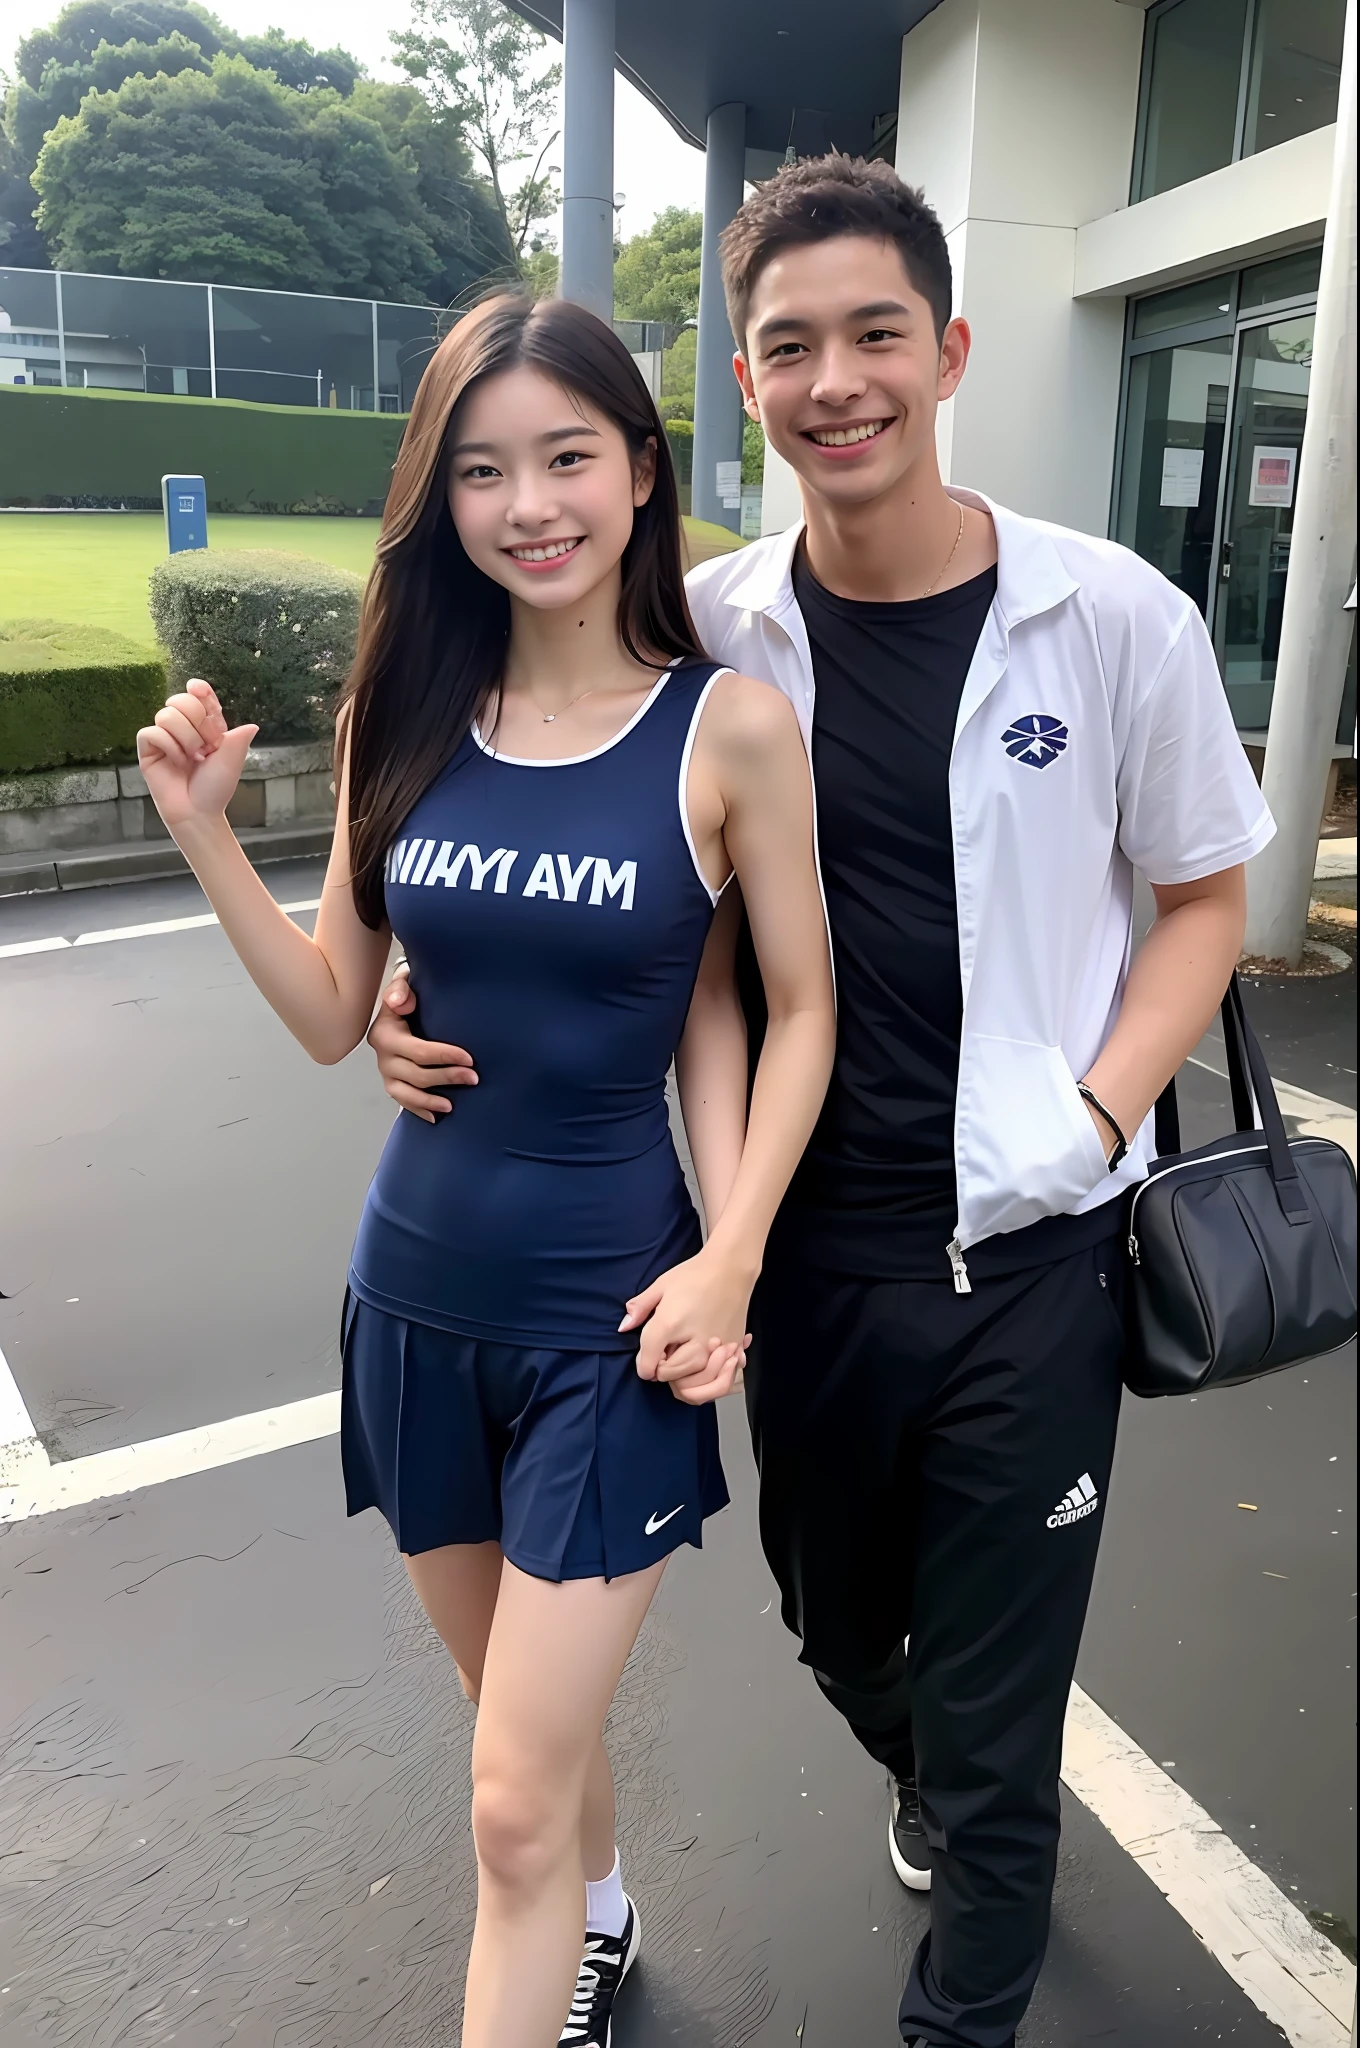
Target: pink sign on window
1272,476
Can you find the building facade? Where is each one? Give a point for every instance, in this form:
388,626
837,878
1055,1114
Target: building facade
1135,200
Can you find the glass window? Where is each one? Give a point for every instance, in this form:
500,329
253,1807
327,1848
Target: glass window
1295,70
1269,410
28,327
1194,70
407,337
1173,453
1209,298
28,299
1288,277
135,334
283,348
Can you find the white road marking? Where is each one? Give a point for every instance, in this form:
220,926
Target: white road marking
16,1427
134,931
30,1484
144,931
32,946
1317,1115
1266,1945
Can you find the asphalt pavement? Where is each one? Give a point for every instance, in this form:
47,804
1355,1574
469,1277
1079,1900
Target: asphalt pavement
233,1757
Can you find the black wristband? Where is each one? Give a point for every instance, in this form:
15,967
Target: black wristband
1121,1143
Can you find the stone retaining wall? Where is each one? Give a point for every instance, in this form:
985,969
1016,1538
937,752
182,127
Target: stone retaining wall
61,809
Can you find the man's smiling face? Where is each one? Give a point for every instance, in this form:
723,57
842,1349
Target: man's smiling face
843,367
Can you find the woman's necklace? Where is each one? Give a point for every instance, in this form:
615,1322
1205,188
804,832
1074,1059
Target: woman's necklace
948,559
551,717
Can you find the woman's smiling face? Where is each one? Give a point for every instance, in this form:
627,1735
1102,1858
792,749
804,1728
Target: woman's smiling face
542,487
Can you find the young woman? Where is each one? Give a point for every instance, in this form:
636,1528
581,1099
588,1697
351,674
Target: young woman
544,787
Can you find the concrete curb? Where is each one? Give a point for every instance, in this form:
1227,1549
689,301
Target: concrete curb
31,875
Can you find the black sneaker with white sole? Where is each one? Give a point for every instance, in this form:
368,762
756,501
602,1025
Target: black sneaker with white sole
907,1844
604,1965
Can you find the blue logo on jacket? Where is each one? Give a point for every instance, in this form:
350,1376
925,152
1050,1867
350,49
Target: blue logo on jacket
1036,739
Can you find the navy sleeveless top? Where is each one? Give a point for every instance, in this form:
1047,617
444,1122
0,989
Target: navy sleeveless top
554,915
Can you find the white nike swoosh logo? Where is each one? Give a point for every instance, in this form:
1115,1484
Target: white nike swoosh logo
655,1522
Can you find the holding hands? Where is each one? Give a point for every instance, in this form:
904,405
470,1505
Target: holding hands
191,758
702,1294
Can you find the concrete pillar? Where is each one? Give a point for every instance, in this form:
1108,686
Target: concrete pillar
587,271
1315,631
717,396
1017,117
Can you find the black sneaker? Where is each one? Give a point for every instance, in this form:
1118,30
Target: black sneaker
907,1844
604,1965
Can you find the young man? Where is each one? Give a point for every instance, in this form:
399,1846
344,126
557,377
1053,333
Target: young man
1005,719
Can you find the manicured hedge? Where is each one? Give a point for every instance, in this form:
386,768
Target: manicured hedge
273,633
72,693
113,447
680,434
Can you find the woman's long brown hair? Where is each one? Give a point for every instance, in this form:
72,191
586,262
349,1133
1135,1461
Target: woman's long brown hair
434,629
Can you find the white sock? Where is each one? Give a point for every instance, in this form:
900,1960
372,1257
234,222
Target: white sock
606,1907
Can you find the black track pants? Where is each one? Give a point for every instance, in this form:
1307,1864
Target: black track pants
935,1465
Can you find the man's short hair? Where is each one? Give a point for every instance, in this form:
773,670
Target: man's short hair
820,197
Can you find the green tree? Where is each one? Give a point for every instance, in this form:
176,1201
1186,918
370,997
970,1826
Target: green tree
677,376
20,242
656,274
83,25
482,64
462,219
229,175
96,45
295,63
541,268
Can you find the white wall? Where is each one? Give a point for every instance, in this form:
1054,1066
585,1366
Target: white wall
935,108
1017,117
1240,214
1034,420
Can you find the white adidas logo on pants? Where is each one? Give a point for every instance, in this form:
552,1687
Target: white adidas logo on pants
1082,1500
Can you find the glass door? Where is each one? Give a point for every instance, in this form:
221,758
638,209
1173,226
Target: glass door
1176,410
1270,401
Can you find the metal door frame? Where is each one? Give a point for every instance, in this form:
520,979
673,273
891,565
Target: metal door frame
1258,317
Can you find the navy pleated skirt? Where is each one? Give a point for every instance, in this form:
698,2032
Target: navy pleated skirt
574,1465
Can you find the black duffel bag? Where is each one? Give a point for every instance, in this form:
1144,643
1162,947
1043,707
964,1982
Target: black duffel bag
1243,1251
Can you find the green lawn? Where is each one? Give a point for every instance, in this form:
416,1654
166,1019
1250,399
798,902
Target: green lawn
92,568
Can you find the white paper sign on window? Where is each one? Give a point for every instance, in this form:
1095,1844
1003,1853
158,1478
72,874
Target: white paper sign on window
728,480
1182,469
1272,476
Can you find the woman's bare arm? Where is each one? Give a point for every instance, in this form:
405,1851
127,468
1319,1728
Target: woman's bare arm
766,788
323,987
711,1063
750,803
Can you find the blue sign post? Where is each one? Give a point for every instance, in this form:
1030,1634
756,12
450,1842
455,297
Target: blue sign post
185,501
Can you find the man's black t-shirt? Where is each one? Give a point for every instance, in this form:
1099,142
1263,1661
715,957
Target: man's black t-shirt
888,682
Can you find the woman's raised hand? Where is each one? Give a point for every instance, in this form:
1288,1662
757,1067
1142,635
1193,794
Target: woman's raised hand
191,758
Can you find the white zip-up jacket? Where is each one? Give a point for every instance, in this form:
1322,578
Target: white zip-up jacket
1093,738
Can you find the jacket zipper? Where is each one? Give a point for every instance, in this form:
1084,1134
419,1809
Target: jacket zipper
1240,1152
954,1253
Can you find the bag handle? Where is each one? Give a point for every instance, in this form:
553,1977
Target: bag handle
1252,1090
